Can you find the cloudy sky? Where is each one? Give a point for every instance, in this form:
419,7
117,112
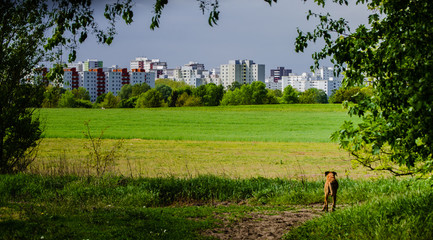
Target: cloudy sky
247,29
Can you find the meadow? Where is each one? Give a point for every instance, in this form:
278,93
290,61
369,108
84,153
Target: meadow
287,141
265,123
206,173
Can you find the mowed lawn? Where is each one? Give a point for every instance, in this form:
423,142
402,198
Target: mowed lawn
265,123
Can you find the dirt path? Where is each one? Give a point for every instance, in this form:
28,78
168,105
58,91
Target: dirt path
264,225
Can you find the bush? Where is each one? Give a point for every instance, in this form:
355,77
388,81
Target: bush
352,94
313,95
110,101
150,99
81,103
290,95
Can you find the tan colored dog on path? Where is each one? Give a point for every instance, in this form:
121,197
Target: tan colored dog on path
331,186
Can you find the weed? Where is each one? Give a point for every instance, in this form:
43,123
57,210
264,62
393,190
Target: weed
100,160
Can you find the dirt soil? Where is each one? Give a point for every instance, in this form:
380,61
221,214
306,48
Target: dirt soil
264,225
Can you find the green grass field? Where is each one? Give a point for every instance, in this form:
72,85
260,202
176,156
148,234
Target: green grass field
286,141
265,123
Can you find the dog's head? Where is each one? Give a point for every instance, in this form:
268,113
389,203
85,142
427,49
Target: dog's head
333,173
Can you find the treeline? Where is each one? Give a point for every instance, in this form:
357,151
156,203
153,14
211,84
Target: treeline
169,93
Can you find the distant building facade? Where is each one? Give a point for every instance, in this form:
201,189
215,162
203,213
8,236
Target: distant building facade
277,74
100,80
193,74
149,65
323,78
92,64
241,71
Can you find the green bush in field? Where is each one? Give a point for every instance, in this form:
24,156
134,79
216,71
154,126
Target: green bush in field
290,95
110,101
313,95
150,99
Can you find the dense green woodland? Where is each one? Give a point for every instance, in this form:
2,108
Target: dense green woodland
168,93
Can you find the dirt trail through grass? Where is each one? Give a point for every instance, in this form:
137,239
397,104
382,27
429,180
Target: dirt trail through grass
263,225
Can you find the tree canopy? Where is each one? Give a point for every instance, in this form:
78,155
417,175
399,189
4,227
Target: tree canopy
395,53
32,31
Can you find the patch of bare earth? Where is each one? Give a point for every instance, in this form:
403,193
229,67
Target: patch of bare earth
263,225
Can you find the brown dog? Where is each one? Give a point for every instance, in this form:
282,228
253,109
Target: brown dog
331,186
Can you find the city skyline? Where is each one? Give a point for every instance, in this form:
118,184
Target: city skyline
246,30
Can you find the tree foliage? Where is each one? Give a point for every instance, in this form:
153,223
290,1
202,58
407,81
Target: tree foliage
150,99
71,100
81,93
110,101
52,96
313,95
248,94
32,31
138,89
351,94
174,85
290,95
394,51
164,90
125,92
210,94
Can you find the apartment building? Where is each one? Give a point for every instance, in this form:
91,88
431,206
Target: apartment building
323,78
241,71
98,81
149,65
92,64
194,74
272,84
139,76
279,72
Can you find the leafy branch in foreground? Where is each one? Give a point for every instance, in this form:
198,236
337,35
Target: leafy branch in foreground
395,51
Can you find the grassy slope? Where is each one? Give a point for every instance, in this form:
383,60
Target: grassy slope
272,123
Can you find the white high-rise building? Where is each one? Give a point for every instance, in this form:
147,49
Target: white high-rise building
243,72
149,65
89,81
323,78
192,74
139,76
92,64
113,81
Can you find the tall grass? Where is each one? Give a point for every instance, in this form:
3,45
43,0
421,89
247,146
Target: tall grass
407,215
282,123
205,189
164,158
42,207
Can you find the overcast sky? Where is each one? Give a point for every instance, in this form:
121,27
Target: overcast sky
247,29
